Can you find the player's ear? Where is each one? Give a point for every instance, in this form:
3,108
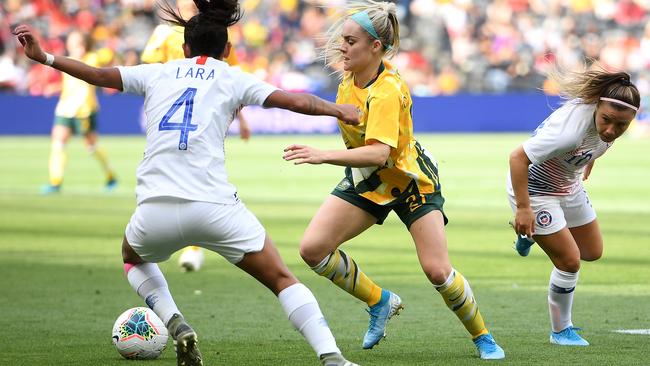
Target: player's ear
186,50
226,50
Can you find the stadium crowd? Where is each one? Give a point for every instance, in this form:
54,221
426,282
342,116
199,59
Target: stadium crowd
448,46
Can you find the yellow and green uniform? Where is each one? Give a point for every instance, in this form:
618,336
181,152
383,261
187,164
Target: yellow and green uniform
77,110
408,183
77,107
166,44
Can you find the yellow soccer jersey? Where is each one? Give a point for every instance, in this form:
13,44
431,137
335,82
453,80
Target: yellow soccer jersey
78,98
166,44
386,117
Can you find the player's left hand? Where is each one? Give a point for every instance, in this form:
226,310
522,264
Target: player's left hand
30,43
303,154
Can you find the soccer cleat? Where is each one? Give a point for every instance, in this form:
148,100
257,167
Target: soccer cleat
48,189
523,244
191,258
335,359
185,342
568,337
487,348
390,304
111,184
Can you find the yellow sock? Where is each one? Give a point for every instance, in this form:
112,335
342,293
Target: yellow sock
56,164
459,298
344,272
101,156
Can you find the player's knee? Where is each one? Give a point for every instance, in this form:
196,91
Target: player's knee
591,256
283,279
128,254
436,275
311,252
569,265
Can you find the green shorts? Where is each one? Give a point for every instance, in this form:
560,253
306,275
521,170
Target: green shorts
409,206
78,125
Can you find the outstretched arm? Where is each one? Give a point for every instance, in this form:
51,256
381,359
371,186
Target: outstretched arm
373,154
312,105
107,77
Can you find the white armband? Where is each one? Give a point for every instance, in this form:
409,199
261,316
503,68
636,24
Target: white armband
49,59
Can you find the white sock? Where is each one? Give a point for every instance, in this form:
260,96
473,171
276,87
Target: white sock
147,280
301,307
560,298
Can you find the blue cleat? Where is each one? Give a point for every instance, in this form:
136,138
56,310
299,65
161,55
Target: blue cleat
48,189
111,185
568,337
523,244
488,349
390,304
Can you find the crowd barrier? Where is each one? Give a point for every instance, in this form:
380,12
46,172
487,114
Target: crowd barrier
122,115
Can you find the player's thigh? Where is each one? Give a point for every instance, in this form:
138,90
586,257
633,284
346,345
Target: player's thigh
61,133
335,222
561,248
428,233
90,138
589,240
154,230
230,230
267,267
88,127
581,220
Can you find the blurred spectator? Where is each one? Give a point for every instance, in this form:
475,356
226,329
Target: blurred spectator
447,46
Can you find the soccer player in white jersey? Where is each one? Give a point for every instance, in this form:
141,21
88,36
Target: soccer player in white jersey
183,194
545,186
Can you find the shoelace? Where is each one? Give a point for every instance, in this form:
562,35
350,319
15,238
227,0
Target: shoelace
487,341
373,317
571,333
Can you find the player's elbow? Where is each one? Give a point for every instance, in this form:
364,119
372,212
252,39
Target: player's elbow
380,155
299,103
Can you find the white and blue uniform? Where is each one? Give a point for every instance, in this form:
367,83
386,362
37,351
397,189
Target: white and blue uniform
182,191
559,150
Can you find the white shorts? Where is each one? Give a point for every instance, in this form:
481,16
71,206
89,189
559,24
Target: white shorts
161,226
554,213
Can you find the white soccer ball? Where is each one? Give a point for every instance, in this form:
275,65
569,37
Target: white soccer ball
139,334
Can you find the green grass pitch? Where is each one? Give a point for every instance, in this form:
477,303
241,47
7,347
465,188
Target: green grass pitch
62,283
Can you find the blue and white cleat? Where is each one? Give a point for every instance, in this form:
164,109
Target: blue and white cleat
488,348
48,189
110,185
389,305
523,244
568,337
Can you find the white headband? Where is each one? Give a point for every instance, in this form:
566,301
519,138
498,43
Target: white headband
612,100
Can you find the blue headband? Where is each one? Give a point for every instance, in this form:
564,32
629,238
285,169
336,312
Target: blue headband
363,19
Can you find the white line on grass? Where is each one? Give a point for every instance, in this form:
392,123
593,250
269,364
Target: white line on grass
633,331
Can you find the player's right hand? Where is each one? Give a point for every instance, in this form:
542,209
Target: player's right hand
30,43
350,114
524,223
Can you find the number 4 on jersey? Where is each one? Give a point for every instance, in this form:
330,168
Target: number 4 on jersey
186,126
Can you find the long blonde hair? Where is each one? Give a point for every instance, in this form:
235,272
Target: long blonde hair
383,16
594,84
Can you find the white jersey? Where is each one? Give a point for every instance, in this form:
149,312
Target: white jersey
560,149
189,104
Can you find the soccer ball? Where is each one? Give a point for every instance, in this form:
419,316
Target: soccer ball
139,334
